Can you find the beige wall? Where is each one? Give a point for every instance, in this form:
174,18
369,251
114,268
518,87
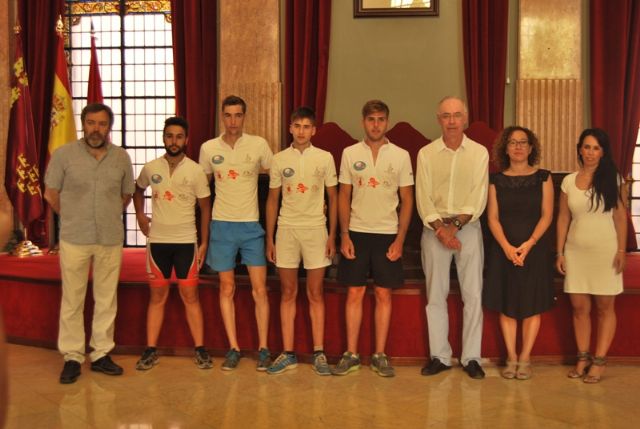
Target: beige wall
410,63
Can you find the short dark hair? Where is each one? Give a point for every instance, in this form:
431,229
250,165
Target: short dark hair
234,100
95,108
372,106
304,112
500,157
179,121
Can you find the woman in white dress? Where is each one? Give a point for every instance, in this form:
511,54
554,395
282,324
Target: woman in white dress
591,244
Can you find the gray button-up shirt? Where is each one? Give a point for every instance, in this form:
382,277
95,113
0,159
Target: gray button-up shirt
90,192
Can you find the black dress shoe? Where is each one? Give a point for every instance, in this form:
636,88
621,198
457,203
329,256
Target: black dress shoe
107,366
474,370
70,372
434,367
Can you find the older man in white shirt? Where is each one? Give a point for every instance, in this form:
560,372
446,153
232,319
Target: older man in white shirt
451,194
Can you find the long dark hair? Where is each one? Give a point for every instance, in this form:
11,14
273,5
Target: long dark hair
605,186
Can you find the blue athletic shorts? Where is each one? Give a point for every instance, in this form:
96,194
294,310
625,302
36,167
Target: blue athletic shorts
229,238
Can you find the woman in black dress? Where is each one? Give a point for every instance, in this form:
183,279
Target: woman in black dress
520,265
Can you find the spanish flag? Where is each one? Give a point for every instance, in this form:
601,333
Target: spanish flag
63,126
22,177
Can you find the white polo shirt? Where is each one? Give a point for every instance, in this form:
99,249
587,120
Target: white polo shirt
303,177
235,171
173,198
374,197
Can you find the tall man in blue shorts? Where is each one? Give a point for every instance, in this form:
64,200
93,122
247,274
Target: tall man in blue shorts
89,183
373,173
234,160
177,183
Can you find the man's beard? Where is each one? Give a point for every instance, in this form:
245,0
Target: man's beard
90,141
179,152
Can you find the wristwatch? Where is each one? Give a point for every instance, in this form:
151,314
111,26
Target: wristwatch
456,222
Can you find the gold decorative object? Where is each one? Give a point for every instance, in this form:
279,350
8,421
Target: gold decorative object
26,249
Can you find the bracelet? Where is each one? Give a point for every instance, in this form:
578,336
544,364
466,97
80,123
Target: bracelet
559,254
344,232
622,251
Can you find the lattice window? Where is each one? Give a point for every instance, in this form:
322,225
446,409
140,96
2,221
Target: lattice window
133,40
635,190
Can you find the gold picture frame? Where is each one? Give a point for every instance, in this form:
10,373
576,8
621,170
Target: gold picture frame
391,8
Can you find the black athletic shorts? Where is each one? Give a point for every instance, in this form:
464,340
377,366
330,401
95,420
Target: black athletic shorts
371,262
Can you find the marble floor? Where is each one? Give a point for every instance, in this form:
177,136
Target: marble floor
176,394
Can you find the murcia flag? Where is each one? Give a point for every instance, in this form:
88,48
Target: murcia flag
22,177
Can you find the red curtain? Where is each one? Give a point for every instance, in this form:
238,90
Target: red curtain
615,79
485,26
194,29
38,20
308,25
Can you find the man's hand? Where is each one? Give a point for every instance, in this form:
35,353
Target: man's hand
346,247
202,254
143,223
270,251
446,234
330,249
395,251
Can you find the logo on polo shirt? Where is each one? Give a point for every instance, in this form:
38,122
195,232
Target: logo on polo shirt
156,178
288,172
359,165
217,159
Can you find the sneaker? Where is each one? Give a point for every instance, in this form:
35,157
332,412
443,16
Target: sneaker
282,363
70,372
202,359
148,360
320,364
264,360
231,360
380,364
349,362
106,366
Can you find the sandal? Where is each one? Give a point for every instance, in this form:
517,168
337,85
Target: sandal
597,362
510,371
524,370
582,357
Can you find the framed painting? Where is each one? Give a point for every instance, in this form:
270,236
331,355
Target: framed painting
391,8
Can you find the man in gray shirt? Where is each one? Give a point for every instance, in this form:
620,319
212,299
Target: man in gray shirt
89,183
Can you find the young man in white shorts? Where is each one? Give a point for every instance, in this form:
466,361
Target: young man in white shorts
301,174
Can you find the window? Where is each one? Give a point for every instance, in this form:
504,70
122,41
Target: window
133,40
635,190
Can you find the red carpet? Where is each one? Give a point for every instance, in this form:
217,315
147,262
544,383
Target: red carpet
30,299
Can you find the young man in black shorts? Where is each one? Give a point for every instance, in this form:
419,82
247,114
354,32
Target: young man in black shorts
373,173
176,183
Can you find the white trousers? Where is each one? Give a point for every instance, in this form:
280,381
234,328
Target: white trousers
75,261
436,263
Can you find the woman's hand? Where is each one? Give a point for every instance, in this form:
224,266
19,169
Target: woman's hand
619,262
523,250
512,255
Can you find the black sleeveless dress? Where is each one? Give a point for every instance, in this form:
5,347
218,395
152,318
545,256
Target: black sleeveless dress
519,292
